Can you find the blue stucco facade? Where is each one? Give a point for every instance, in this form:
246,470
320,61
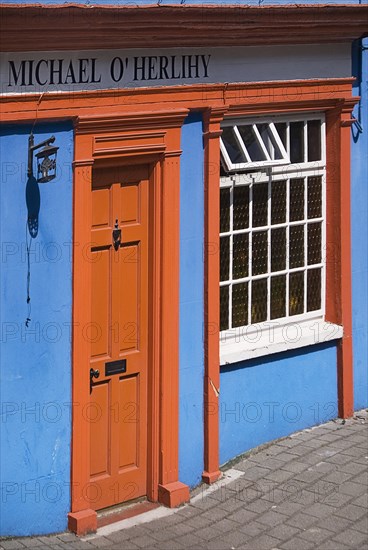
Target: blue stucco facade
260,400
191,349
359,233
268,398
35,375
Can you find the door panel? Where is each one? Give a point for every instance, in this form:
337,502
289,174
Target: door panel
118,450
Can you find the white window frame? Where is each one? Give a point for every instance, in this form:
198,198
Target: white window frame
291,331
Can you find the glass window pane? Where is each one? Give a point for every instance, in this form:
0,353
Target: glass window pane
240,305
296,200
269,141
278,249
259,253
297,142
281,128
296,293
224,210
259,300
314,289
315,197
251,143
278,202
260,204
224,258
314,243
296,246
232,146
241,207
240,255
278,296
314,140
224,307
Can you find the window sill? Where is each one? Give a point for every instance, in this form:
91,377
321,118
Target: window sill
241,346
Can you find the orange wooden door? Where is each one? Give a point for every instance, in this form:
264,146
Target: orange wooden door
119,335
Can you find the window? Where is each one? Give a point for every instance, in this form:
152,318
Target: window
272,222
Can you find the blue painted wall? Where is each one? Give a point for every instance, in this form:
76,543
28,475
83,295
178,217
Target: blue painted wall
191,303
359,226
35,374
265,399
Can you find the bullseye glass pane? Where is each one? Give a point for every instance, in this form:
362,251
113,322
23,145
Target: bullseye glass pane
240,255
278,297
278,202
296,246
260,199
224,307
315,197
240,305
224,258
296,201
259,253
232,146
314,289
278,249
259,300
224,210
314,243
296,293
241,207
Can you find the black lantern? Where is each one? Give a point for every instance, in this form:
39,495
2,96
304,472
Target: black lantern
46,159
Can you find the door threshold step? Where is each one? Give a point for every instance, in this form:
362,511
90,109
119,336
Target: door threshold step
109,516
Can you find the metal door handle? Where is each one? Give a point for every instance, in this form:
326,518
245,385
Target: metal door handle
116,235
92,374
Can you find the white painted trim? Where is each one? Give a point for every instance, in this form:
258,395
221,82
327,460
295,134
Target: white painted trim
276,338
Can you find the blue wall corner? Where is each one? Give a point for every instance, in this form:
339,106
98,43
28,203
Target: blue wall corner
269,398
35,377
191,302
359,217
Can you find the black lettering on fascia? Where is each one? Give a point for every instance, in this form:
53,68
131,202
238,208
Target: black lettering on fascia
13,74
205,63
37,72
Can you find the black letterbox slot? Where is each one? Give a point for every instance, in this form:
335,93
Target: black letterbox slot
115,367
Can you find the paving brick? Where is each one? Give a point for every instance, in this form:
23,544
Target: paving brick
297,544
318,510
352,538
353,468
264,542
362,525
11,543
208,533
351,488
333,523
271,518
100,542
301,520
283,531
30,542
254,472
351,512
242,516
144,541
295,466
253,528
315,534
279,475
172,545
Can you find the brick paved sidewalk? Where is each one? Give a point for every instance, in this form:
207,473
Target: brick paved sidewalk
305,491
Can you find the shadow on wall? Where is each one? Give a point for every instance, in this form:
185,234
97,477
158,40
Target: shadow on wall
33,201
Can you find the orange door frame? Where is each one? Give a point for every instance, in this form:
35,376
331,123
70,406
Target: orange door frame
131,139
